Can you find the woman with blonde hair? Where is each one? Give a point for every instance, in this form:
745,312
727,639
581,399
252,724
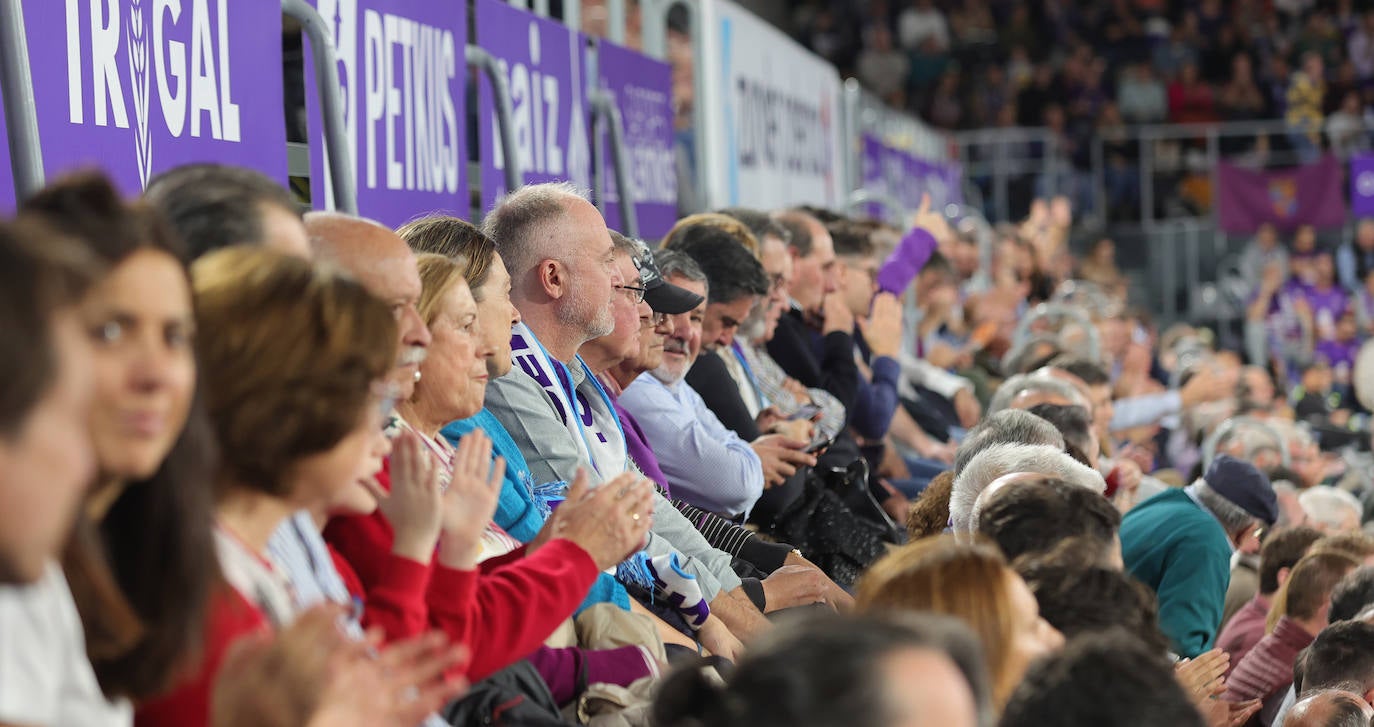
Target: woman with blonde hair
972,582
518,600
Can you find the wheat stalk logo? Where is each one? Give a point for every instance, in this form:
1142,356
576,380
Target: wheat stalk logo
139,78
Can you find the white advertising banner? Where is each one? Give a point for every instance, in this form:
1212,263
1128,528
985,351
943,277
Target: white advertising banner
774,108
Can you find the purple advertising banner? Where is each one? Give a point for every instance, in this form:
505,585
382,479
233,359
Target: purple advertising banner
905,178
1362,185
643,91
402,71
1306,195
545,66
136,87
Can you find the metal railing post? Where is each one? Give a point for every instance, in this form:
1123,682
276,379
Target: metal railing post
1192,265
701,123
340,157
1170,268
480,59
605,111
852,143
1000,197
1147,186
21,112
572,14
654,27
541,8
1213,156
615,21
1099,171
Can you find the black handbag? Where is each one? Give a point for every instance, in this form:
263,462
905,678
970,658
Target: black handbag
513,697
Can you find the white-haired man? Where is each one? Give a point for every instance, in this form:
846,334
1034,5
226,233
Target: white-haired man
1024,391
1001,460
1331,509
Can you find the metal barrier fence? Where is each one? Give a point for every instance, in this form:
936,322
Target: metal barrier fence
1151,188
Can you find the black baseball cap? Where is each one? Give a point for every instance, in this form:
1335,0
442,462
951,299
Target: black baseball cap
661,295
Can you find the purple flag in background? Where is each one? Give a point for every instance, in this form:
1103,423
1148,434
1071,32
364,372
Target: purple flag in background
1307,195
544,63
905,178
6,171
643,91
1362,185
402,71
136,87
871,157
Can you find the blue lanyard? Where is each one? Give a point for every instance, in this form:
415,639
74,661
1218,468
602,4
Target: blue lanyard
737,349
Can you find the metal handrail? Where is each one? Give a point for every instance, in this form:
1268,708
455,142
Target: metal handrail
615,21
604,111
1074,313
340,157
479,58
896,210
21,112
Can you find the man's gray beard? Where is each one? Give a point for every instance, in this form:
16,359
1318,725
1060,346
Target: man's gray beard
580,312
663,374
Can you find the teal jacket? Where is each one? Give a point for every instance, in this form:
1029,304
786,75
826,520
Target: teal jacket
1175,546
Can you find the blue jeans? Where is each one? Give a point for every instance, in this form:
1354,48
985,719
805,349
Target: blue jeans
922,472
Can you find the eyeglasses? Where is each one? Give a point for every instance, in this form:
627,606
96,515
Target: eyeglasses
777,282
635,292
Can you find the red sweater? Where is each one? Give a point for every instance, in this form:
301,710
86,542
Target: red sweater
503,612
230,618
1268,668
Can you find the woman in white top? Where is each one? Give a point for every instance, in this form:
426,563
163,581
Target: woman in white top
149,502
46,462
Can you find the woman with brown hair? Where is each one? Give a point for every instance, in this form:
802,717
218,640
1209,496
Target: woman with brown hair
972,582
150,500
294,376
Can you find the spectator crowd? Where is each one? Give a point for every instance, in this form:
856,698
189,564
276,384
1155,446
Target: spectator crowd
781,467
1083,74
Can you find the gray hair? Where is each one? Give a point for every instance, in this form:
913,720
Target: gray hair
1331,708
1292,433
1253,435
1005,459
1021,383
676,262
1328,505
626,245
1231,516
1013,426
518,224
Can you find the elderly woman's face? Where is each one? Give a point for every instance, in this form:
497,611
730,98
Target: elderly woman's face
496,317
454,375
